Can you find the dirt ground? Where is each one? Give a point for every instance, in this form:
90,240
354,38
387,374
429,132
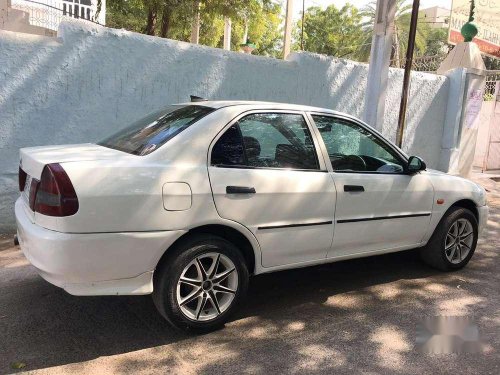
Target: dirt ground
356,316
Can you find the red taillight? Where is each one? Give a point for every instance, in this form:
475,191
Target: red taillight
55,195
22,179
33,189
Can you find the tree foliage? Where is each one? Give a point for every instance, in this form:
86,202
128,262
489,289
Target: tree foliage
126,14
174,18
332,31
437,42
342,32
263,20
491,63
401,31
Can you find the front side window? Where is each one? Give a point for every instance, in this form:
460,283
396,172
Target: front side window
267,140
354,149
149,133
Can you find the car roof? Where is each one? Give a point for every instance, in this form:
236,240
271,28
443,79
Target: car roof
275,105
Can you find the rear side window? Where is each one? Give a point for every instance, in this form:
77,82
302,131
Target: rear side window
267,140
149,133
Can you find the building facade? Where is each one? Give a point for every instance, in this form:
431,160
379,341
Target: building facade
437,17
42,17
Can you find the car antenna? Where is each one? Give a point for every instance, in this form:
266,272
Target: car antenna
195,98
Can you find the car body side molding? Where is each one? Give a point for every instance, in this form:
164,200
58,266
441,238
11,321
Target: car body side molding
340,221
294,225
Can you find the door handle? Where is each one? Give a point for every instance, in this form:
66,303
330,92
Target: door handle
239,190
353,188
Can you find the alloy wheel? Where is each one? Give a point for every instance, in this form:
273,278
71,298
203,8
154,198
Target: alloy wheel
459,239
207,287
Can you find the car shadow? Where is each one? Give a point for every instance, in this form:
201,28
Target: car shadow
44,326
318,283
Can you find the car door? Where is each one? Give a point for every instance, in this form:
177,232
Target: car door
266,175
379,206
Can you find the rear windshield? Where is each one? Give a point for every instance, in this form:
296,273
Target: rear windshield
149,133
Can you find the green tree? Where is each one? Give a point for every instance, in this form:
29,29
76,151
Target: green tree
267,32
182,16
400,35
261,23
126,14
332,31
161,13
260,20
151,17
437,42
491,63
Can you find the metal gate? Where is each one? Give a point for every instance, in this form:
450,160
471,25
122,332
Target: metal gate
491,156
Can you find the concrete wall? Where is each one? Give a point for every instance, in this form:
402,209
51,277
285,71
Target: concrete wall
93,80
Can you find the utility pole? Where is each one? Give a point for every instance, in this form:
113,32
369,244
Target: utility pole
406,79
288,29
378,70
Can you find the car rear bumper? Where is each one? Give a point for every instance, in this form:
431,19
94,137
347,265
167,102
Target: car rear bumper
93,263
483,218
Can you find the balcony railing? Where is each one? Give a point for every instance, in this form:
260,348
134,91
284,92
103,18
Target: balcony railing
49,13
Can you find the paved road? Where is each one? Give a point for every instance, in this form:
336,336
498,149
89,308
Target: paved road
356,316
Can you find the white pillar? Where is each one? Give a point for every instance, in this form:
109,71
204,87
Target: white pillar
460,134
102,14
380,56
288,29
475,82
195,29
227,33
245,32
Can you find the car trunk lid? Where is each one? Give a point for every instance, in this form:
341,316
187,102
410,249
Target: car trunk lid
33,159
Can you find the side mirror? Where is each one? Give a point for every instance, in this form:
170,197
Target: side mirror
416,164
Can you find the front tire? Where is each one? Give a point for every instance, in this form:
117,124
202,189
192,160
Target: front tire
201,283
454,241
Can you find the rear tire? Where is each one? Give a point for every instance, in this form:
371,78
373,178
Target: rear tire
201,283
453,242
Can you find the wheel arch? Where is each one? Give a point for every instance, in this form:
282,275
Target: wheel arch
247,246
468,204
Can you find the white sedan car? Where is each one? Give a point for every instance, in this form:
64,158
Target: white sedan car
189,201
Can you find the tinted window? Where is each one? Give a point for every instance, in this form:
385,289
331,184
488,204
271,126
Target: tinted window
353,148
267,140
151,132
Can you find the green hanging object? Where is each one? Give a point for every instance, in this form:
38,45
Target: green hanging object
248,44
469,30
247,47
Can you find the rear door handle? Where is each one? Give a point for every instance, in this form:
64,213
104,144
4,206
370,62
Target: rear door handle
239,190
353,188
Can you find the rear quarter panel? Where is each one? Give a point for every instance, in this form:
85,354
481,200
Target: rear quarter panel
125,197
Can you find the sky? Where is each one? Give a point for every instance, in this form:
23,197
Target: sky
297,4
